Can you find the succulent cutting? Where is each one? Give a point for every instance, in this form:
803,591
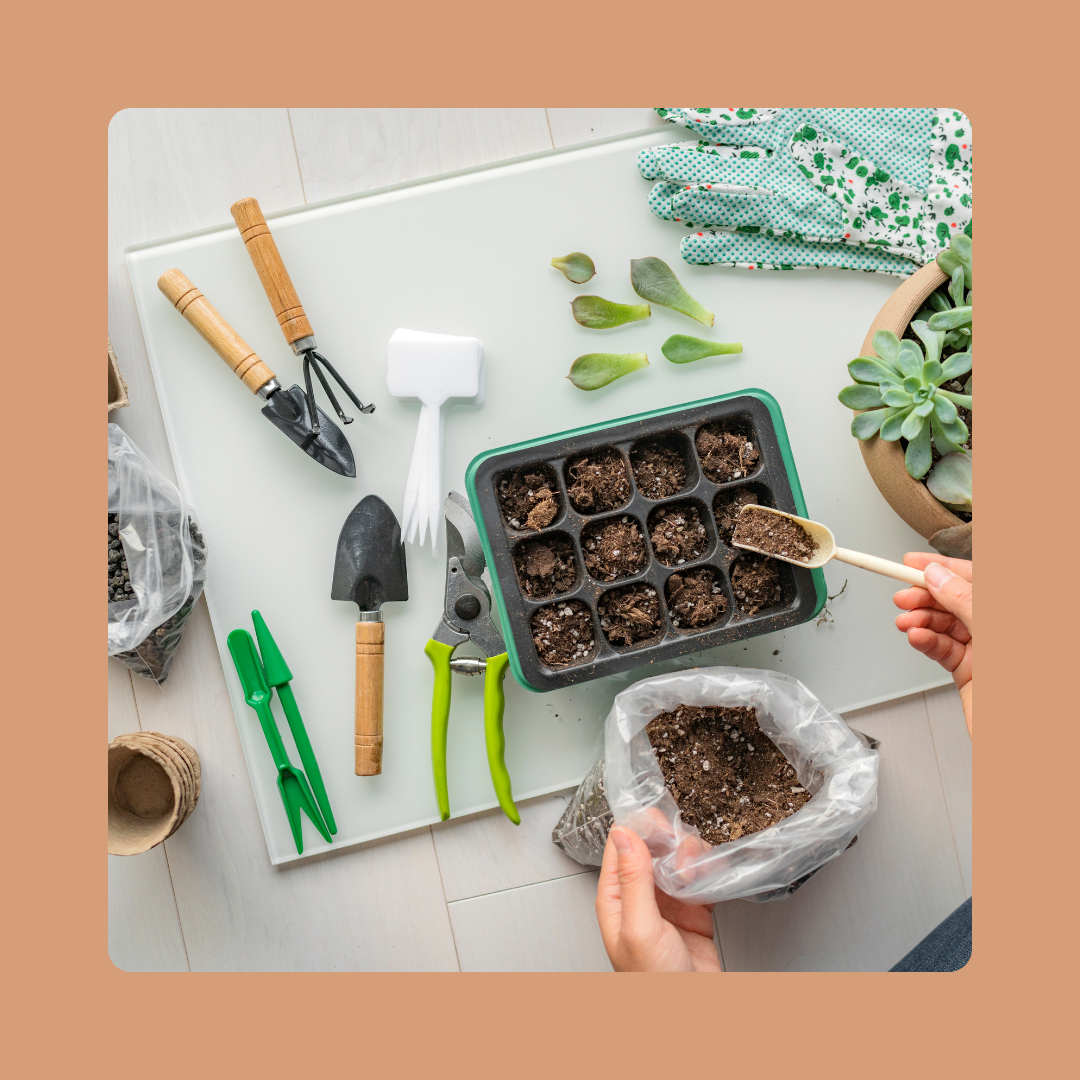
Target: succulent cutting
683,349
593,370
576,267
599,314
654,280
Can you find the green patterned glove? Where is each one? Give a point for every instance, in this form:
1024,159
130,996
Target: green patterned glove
867,189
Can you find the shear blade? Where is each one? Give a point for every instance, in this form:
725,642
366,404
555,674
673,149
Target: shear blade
462,537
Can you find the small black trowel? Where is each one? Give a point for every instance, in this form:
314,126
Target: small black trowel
369,569
288,410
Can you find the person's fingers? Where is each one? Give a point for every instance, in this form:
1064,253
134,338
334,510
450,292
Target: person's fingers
948,652
694,918
950,591
637,892
913,597
941,622
921,559
608,902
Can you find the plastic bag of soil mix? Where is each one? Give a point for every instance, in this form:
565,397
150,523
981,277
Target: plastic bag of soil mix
825,773
157,561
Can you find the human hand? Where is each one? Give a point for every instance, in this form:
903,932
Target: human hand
937,619
643,928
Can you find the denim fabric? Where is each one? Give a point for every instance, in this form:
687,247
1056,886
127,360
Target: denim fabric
945,948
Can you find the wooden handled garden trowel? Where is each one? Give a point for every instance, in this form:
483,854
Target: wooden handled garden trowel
369,570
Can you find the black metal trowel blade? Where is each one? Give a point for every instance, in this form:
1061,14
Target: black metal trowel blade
370,564
288,411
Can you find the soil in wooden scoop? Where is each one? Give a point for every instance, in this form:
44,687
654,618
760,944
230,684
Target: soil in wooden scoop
659,469
529,498
545,567
614,549
725,455
726,508
774,535
677,534
563,633
694,598
755,583
728,778
629,615
598,482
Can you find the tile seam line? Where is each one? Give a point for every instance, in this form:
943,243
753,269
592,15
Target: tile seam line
529,885
446,903
164,846
945,795
296,155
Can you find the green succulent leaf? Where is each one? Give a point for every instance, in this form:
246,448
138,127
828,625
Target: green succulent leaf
654,280
944,444
958,364
593,370
931,372
912,425
957,255
956,287
944,409
963,400
918,455
599,314
909,360
932,339
951,320
950,481
886,345
866,424
938,302
683,349
958,339
576,267
956,431
967,387
913,383
961,244
924,408
861,396
892,424
895,396
867,369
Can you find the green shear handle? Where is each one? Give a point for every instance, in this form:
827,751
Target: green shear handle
494,703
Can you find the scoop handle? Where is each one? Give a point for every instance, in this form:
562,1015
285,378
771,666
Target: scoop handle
370,646
881,566
221,337
272,273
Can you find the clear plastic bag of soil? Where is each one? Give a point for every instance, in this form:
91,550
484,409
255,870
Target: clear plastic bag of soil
157,561
626,787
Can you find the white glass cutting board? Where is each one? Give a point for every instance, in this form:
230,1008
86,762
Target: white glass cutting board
469,254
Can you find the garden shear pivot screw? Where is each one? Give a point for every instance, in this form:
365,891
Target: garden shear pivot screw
467,617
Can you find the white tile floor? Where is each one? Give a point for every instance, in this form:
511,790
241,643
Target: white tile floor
475,894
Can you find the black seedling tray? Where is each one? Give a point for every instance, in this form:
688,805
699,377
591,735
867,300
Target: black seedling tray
753,413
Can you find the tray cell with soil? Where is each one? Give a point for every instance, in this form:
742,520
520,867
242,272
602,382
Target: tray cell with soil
630,615
650,596
546,567
614,548
529,497
662,466
730,501
695,598
679,534
727,450
563,633
598,481
727,777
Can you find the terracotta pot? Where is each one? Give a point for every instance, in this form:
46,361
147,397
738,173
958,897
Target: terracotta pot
885,460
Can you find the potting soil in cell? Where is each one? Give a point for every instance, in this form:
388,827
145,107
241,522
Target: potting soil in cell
598,482
529,498
727,777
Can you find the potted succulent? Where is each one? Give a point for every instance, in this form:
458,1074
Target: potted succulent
912,400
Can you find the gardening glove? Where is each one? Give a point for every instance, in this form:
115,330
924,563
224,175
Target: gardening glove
880,190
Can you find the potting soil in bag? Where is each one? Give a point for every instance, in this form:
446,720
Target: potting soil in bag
626,787
157,561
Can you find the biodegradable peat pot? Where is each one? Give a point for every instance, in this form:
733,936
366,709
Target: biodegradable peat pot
910,498
118,398
154,784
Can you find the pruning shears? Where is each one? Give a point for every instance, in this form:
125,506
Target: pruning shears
467,617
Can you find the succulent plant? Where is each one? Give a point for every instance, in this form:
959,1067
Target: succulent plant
593,370
599,314
949,481
576,267
654,280
901,390
683,349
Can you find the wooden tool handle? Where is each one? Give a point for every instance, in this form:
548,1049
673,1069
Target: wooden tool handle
275,278
885,567
370,637
224,340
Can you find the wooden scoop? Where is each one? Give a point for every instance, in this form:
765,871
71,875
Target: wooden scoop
825,548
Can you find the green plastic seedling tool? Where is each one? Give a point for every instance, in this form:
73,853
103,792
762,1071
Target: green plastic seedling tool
279,677
295,792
